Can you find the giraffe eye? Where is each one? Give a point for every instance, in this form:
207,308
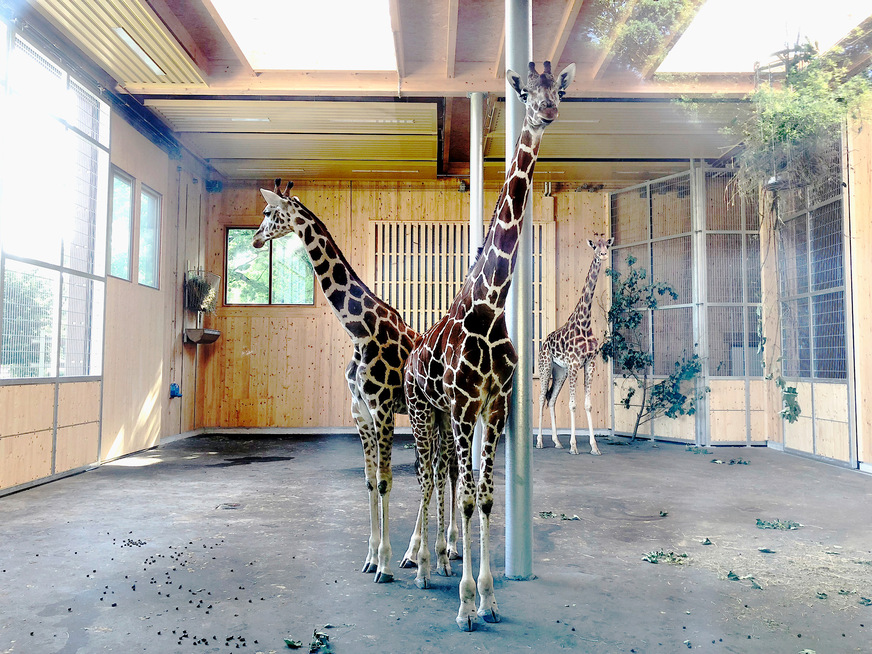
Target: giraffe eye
523,97
561,93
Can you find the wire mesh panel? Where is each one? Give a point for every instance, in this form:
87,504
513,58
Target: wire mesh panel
828,318
753,270
723,207
85,238
728,345
827,268
670,206
796,338
81,326
30,315
725,269
793,256
672,338
630,215
672,263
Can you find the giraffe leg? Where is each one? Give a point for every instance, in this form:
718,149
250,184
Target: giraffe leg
558,375
366,431
421,415
453,530
544,381
443,495
589,367
466,616
385,431
410,558
494,423
573,379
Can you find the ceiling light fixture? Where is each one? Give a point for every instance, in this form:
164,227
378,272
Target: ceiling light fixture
137,50
249,120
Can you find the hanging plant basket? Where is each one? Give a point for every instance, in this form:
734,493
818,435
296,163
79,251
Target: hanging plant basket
201,291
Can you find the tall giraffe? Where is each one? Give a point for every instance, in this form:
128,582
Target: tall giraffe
569,349
382,341
463,366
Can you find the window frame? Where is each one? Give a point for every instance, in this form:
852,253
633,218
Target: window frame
117,173
270,286
145,190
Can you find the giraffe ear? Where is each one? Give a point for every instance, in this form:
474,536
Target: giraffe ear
591,244
272,199
515,82
566,76
610,241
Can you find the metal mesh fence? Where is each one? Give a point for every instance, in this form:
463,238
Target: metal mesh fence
81,326
728,349
30,315
672,263
672,338
670,206
725,271
630,215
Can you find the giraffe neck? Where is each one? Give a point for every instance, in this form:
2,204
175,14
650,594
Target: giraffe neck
581,314
351,300
492,271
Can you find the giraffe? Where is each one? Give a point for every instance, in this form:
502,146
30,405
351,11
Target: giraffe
463,366
569,349
382,341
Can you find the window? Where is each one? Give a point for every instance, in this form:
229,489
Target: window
121,235
149,238
52,284
278,273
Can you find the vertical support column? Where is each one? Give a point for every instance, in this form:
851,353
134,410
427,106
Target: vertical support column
519,317
700,296
476,211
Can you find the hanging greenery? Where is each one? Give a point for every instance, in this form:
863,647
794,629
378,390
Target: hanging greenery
788,136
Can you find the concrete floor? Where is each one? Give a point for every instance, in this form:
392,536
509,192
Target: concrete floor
233,543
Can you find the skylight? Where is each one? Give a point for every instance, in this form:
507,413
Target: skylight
730,35
320,35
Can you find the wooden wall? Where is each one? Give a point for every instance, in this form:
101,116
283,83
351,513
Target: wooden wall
284,366
48,427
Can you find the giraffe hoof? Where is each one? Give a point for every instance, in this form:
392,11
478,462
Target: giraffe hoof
454,555
408,563
489,615
383,578
596,453
558,446
423,584
573,451
466,623
369,567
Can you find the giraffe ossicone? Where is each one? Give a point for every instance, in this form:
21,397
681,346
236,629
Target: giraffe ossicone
381,343
463,366
569,349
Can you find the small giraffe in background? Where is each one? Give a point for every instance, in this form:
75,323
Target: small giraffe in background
569,349
464,365
382,341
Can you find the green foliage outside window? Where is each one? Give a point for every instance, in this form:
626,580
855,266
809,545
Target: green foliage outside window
278,273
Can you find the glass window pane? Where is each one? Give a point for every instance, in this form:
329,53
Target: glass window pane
247,269
85,233
122,226
81,326
149,239
30,315
292,274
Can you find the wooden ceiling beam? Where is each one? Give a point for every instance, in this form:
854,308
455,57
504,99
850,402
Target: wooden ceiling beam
451,46
567,22
396,29
245,68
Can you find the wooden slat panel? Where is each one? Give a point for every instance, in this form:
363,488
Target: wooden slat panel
77,446
78,403
25,409
25,458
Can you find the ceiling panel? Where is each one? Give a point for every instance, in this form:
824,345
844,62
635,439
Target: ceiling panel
93,26
261,168
322,117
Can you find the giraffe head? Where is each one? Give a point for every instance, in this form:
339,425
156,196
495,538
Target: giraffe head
541,93
278,216
600,245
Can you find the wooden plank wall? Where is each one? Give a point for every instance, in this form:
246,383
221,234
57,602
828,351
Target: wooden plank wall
284,366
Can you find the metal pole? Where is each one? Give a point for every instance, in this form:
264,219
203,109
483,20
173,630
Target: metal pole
476,211
519,318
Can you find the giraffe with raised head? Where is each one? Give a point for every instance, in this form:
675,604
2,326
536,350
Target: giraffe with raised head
463,366
570,349
382,341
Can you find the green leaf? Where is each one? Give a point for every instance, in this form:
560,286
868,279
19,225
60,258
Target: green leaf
663,514
765,550
783,525
732,576
865,601
821,595
707,542
293,644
